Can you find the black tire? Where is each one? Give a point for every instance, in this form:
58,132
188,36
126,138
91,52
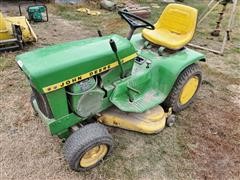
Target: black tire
83,140
173,98
32,98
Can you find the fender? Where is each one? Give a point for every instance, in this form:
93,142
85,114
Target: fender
171,67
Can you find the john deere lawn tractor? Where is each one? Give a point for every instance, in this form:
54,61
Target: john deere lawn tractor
135,83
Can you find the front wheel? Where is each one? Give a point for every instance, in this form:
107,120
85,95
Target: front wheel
32,98
184,89
87,147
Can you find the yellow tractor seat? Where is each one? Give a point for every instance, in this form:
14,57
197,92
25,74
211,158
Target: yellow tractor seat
175,27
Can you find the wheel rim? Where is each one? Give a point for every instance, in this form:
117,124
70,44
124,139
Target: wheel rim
188,90
93,155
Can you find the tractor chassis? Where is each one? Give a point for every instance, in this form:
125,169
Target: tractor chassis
150,122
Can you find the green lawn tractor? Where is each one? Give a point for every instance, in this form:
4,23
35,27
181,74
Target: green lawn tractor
135,83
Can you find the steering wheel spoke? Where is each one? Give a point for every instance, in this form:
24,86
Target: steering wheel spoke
134,20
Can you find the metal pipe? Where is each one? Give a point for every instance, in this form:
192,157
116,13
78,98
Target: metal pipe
215,5
204,48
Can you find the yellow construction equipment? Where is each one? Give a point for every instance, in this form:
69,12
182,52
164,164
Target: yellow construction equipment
14,32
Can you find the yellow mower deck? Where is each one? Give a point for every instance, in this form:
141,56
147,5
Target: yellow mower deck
152,121
6,31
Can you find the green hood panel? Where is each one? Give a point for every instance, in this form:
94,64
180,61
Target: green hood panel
55,64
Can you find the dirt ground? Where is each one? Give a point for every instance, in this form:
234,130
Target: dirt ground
203,144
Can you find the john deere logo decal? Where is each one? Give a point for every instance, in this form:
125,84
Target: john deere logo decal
86,75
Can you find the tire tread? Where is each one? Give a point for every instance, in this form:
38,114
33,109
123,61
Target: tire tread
172,99
80,140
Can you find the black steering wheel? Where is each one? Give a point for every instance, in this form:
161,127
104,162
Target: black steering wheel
135,21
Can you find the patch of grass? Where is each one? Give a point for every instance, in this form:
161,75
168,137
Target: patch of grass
235,50
219,75
108,22
6,61
197,4
67,12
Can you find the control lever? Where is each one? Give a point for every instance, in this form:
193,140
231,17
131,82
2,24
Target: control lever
114,49
99,33
148,63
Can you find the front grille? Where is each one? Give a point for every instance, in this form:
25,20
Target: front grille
42,103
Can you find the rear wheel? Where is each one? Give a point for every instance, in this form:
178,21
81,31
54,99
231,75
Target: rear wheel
184,89
87,147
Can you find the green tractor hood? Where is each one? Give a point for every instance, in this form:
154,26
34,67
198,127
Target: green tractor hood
57,66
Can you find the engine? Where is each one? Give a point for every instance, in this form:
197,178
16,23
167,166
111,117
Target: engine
85,97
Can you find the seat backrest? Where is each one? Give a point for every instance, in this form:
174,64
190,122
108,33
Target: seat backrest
178,18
